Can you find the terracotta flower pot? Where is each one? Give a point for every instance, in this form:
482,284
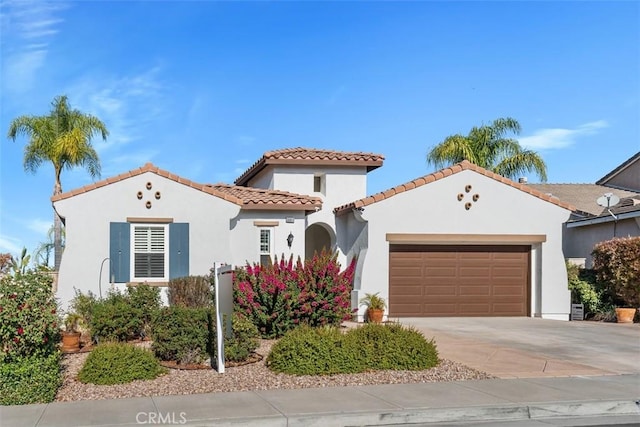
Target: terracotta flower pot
625,315
374,315
70,341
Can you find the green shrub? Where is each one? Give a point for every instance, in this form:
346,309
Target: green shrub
190,291
146,300
119,363
182,334
321,351
314,351
583,289
116,319
83,305
188,335
33,379
243,342
393,346
28,316
617,265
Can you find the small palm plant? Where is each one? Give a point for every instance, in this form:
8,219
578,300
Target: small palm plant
375,307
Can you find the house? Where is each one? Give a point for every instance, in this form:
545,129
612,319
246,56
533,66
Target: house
591,222
462,241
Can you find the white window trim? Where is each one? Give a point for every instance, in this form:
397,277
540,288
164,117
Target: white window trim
271,242
132,261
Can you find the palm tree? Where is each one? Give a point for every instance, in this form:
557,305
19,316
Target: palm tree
487,147
63,137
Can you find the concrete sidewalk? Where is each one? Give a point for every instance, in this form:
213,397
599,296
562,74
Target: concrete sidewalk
462,401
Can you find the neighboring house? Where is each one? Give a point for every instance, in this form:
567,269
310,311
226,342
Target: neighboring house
592,223
459,242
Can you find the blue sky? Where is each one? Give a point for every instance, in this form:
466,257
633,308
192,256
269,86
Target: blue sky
203,88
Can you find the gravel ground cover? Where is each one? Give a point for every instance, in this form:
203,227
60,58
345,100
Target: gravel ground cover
254,376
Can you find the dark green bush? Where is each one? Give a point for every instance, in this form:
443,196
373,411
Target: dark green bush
115,318
146,300
321,351
393,346
188,335
243,342
314,351
190,291
119,363
182,334
33,379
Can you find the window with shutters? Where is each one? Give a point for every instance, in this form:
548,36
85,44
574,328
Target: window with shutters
266,246
150,253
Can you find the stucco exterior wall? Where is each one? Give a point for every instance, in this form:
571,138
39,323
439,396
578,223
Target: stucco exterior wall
500,209
245,231
580,241
87,218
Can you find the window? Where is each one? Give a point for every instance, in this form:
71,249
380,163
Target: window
318,184
150,252
265,246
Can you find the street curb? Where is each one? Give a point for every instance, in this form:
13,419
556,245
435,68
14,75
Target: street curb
439,415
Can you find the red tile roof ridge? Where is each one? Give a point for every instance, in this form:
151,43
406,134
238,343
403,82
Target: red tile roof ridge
304,155
217,190
443,173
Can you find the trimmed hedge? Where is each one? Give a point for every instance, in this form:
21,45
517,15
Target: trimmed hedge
182,334
323,351
119,363
34,379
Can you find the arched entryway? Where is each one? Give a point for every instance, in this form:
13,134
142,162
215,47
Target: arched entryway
318,236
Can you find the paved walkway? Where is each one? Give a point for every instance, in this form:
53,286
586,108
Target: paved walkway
462,401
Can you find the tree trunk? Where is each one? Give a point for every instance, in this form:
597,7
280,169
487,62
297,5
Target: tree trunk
57,240
57,229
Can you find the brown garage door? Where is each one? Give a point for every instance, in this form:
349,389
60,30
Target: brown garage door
473,280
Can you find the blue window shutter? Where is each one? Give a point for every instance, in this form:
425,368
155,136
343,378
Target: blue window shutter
119,251
178,250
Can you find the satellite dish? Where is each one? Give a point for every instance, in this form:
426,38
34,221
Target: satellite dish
608,200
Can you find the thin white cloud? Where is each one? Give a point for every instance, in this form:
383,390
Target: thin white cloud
26,29
127,105
546,139
40,226
10,245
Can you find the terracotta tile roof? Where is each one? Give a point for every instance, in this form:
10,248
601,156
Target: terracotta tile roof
311,156
244,197
583,196
623,166
257,198
459,167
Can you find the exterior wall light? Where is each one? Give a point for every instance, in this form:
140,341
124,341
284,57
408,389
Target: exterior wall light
290,240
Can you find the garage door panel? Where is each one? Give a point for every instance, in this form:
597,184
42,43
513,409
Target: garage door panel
478,280
439,290
482,290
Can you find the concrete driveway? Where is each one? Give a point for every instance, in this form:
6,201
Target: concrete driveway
523,347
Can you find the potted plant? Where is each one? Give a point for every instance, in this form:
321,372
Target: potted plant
625,314
375,307
71,335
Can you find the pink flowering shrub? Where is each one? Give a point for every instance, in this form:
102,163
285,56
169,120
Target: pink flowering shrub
28,316
281,296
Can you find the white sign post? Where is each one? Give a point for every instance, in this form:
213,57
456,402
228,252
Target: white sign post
223,286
